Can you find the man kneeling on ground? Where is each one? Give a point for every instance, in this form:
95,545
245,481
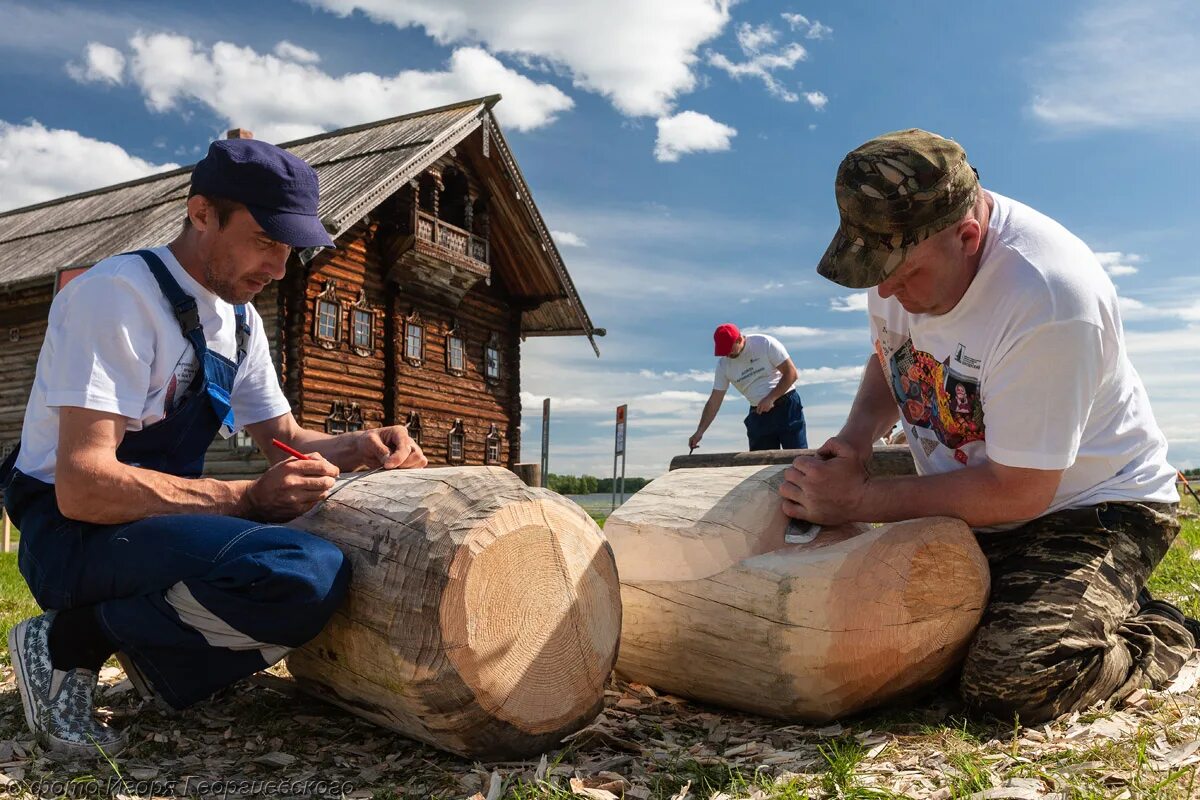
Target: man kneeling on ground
998,343
147,356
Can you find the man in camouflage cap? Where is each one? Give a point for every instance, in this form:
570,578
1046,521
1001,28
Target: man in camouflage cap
999,348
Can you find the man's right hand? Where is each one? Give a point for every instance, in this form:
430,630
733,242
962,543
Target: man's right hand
694,442
838,445
290,488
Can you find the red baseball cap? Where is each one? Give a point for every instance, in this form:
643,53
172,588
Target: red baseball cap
724,337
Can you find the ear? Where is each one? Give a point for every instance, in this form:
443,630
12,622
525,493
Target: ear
970,233
200,212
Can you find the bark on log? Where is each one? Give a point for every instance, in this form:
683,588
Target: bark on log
718,608
885,460
483,615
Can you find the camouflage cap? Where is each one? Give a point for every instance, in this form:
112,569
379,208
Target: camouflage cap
893,192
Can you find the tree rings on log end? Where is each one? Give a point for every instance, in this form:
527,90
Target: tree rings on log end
530,620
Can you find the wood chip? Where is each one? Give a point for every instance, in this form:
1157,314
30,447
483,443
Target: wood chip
275,759
578,788
683,793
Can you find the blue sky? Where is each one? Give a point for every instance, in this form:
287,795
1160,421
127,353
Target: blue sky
682,150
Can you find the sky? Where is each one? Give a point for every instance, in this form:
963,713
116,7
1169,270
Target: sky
682,151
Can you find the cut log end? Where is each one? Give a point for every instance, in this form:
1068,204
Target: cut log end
529,621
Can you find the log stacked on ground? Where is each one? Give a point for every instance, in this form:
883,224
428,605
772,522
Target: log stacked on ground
483,615
718,608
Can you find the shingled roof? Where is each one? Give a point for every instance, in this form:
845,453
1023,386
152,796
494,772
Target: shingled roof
359,167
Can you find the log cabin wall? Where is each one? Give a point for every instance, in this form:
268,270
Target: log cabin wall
337,371
24,315
440,397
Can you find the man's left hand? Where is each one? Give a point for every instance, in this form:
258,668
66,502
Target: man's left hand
828,488
764,405
389,448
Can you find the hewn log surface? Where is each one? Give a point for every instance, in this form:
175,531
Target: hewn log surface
483,615
718,608
887,460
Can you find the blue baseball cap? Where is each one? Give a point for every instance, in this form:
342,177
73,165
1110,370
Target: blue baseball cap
279,189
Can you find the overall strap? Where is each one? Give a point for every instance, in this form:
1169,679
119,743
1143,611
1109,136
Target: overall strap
242,330
181,302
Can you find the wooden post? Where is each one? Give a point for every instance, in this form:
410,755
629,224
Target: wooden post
529,473
886,460
7,529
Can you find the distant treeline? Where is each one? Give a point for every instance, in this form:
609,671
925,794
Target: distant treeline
1190,474
590,484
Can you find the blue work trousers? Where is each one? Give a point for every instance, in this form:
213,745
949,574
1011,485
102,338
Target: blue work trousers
197,601
781,427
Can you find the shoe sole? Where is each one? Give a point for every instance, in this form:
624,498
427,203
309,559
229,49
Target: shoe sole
16,649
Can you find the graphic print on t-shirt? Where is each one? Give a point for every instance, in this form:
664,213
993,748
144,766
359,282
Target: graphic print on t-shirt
934,396
181,381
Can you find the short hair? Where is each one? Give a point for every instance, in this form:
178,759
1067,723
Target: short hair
224,206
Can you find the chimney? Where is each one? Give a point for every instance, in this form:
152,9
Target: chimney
239,133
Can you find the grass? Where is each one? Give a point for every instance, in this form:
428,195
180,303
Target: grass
961,756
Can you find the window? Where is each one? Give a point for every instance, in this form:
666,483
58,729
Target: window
413,423
344,417
242,443
491,447
414,339
491,359
456,351
456,444
362,330
328,316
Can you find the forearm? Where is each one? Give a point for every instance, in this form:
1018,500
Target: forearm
980,496
340,450
874,410
708,415
115,493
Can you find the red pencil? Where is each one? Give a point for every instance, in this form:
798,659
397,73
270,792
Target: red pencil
291,451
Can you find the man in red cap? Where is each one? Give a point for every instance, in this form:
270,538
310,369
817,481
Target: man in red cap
759,366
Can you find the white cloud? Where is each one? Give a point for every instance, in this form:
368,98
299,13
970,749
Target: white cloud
294,52
700,376
39,163
850,302
690,132
815,375
817,100
568,239
101,64
280,97
641,55
761,63
801,336
811,29
1118,264
1122,65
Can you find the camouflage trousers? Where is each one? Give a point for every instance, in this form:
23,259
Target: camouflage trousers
1061,630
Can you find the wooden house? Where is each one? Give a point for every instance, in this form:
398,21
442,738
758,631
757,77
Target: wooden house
443,267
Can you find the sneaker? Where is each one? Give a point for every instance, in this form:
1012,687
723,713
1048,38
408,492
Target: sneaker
142,686
58,704
1148,605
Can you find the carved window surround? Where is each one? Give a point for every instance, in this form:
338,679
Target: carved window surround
456,443
362,326
327,316
414,339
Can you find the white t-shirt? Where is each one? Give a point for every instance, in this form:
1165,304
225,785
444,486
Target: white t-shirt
113,344
755,370
1028,370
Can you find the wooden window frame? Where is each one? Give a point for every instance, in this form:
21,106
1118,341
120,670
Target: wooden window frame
493,346
456,430
413,423
414,322
456,334
328,295
242,443
360,307
492,441
344,417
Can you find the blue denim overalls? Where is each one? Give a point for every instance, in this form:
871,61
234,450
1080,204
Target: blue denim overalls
197,601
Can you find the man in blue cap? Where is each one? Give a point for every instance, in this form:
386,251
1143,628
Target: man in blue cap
147,356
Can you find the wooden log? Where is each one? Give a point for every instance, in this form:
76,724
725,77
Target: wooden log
483,615
885,460
718,608
530,473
